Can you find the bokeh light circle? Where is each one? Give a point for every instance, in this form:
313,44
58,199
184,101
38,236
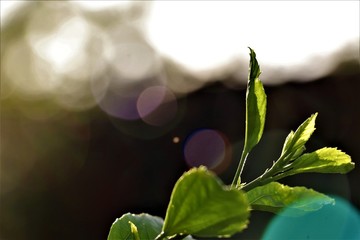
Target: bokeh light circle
120,105
133,61
157,105
339,221
209,148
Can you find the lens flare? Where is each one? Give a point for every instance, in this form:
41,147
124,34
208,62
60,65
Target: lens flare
176,139
121,106
209,148
157,105
341,221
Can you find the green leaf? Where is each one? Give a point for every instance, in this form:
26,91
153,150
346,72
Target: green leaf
275,197
255,115
291,155
134,231
324,160
134,227
255,105
295,142
287,142
202,206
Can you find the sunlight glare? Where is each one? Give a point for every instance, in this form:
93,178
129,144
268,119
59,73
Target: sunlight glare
63,46
204,35
101,5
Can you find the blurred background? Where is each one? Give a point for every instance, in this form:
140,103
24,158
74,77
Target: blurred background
105,104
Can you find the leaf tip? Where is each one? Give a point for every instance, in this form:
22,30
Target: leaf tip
314,115
251,51
254,66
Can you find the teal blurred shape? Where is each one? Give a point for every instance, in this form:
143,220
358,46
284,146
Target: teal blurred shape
339,221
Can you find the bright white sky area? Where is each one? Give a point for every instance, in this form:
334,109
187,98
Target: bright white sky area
205,36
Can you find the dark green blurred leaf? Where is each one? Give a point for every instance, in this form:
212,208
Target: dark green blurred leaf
134,227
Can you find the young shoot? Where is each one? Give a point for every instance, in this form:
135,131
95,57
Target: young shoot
201,205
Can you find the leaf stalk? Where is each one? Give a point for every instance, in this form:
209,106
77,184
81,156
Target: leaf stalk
237,178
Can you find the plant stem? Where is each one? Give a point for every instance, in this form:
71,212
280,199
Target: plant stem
276,172
237,178
259,181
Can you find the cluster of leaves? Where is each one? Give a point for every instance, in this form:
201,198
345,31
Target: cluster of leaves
202,206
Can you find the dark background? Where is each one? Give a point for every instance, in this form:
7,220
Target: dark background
123,173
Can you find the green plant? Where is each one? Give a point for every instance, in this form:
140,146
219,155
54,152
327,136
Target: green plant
201,205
